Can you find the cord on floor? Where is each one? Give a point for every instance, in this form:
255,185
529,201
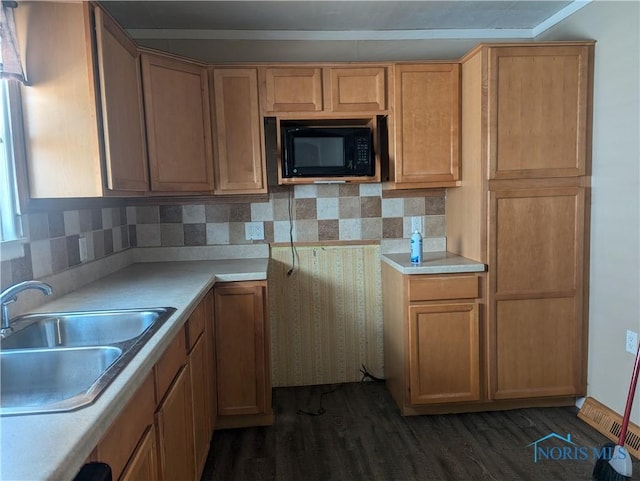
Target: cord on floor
367,376
321,410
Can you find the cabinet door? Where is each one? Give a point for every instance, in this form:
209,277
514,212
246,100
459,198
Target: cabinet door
358,89
239,141
444,350
59,108
174,420
209,332
538,111
178,123
427,125
200,392
122,110
537,325
144,463
241,349
119,443
297,89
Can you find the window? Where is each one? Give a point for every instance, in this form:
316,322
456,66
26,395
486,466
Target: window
10,222
10,130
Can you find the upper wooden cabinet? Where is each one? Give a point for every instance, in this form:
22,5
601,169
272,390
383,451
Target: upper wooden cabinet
425,133
357,89
239,143
293,89
538,111
324,89
176,98
81,125
122,109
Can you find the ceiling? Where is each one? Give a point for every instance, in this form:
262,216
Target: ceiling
339,20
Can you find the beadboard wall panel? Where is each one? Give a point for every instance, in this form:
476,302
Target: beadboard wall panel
326,318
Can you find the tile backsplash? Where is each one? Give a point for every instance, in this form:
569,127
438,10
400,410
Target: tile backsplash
308,212
53,241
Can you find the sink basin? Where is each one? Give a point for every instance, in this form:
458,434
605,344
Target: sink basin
63,361
46,380
89,328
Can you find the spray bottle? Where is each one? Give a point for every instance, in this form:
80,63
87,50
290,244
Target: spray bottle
416,248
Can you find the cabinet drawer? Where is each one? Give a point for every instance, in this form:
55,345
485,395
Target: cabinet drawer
431,288
195,325
169,364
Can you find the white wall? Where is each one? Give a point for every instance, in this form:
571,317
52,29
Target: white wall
615,213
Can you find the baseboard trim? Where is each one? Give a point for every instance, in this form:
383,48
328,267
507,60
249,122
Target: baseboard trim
501,405
609,423
247,421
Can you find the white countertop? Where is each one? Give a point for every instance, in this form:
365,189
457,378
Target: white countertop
55,446
433,263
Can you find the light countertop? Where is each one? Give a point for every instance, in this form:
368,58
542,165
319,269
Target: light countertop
433,263
55,446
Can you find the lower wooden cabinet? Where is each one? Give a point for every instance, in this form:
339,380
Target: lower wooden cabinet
174,420
143,465
200,361
165,430
537,294
123,438
201,401
216,367
444,353
432,339
242,354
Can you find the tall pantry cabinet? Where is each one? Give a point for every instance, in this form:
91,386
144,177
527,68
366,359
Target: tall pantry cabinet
523,209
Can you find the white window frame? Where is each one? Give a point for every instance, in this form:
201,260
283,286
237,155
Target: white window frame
11,233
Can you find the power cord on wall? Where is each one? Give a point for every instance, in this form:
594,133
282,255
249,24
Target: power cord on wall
294,253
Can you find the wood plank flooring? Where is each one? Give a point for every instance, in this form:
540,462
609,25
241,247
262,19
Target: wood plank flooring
361,436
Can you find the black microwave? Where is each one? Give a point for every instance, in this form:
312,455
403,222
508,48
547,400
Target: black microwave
314,151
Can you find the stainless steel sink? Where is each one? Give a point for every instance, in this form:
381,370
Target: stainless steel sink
89,328
47,380
63,361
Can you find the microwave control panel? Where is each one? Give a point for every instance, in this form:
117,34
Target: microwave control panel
362,151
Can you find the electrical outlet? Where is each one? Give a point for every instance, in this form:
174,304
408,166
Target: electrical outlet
416,224
632,342
82,246
254,230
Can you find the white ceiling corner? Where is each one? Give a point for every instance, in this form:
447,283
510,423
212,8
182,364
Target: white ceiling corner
340,20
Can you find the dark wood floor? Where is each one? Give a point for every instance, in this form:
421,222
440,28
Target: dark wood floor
362,436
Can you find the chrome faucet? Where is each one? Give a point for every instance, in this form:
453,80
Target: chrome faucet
10,294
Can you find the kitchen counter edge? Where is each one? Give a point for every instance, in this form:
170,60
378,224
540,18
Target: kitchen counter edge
440,262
